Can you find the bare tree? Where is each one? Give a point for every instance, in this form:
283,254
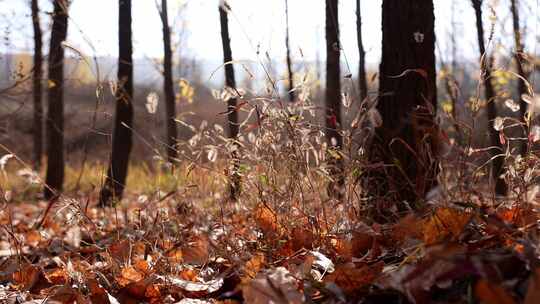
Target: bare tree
288,46
123,121
451,82
518,57
230,84
362,79
485,63
55,114
168,87
406,143
333,95
37,128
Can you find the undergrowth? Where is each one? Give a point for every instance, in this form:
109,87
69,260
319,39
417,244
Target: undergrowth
177,236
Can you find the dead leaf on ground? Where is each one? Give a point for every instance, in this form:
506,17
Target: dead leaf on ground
274,286
488,292
267,220
27,277
445,223
205,286
351,278
188,275
253,266
129,275
197,251
533,291
57,276
302,238
408,227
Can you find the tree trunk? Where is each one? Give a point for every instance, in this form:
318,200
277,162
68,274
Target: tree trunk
518,57
485,63
407,141
289,63
37,75
333,97
170,104
123,121
362,79
55,115
451,81
230,83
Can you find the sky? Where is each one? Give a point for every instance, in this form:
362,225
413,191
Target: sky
254,25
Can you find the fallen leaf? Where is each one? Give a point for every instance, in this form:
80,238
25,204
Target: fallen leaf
267,220
98,294
152,291
443,224
408,227
208,286
490,293
274,286
533,291
188,275
197,251
57,276
253,266
322,262
302,238
350,278
27,276
129,275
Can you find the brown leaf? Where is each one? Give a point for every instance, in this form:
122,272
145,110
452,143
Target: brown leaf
141,266
152,291
267,220
129,275
97,293
519,215
27,276
361,243
120,251
445,223
286,250
66,294
197,251
57,276
175,256
137,289
350,278
533,291
342,247
302,238
253,266
408,227
275,286
188,275
32,238
490,293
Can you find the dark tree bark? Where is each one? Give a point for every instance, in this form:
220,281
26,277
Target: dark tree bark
333,96
55,115
518,57
362,79
407,141
123,121
288,46
37,75
230,83
168,88
485,63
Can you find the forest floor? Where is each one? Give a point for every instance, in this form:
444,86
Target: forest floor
180,241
